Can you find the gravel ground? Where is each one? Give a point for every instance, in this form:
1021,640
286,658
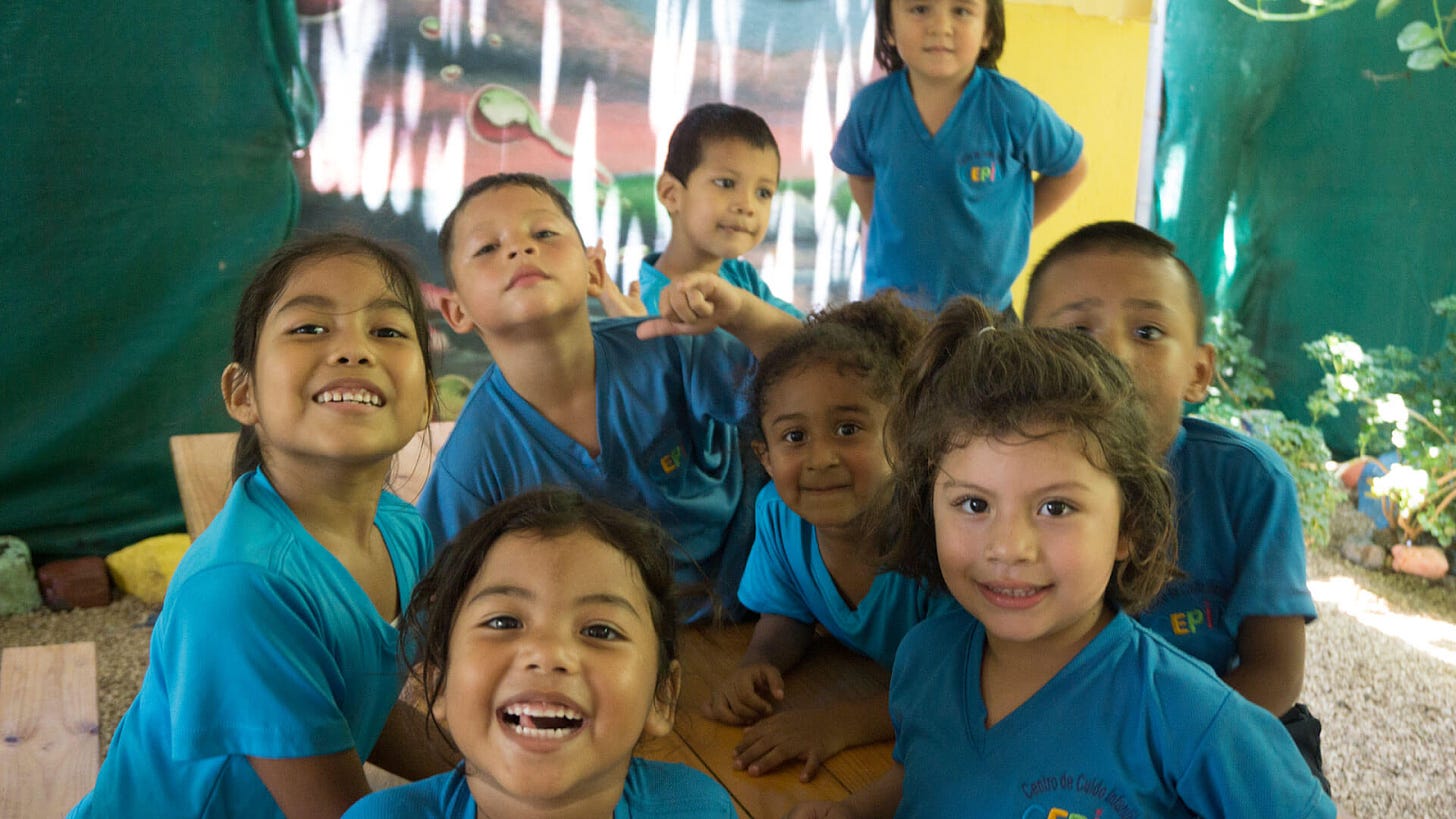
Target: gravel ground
1389,710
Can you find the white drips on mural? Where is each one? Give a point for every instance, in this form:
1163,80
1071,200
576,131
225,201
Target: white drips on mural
444,175
412,93
611,228
550,60
727,23
584,167
476,22
375,159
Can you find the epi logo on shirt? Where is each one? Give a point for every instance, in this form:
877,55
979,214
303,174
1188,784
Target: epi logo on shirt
983,174
671,461
1190,621
1039,812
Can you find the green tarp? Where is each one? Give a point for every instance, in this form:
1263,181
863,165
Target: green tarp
1309,182
146,171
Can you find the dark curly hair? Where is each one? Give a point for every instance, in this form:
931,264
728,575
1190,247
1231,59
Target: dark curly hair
977,375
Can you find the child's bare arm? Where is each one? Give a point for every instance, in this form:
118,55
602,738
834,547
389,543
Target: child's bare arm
407,747
862,191
1271,662
877,800
753,690
1053,191
813,735
313,787
702,302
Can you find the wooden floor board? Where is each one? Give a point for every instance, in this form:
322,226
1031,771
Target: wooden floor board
49,746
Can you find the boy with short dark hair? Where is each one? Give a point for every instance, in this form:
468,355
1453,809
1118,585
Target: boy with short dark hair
1244,601
717,185
639,412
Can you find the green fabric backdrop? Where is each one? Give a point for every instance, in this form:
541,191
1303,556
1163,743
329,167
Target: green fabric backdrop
1341,187
146,170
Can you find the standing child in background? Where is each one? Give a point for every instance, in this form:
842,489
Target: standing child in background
621,409
718,185
1026,483
940,155
547,641
273,670
1243,602
821,397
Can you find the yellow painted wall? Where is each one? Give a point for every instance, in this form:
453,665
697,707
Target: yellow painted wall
1093,71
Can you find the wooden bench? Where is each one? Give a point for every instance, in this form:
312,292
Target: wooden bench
49,745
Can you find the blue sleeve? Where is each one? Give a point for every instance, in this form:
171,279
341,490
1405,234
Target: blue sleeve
446,505
1245,764
715,370
768,585
1272,580
851,145
1050,146
746,276
252,671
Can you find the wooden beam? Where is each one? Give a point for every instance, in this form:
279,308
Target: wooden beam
49,747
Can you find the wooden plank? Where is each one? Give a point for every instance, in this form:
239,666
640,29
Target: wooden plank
49,745
203,466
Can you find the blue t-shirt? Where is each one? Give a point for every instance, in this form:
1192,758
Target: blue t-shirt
1131,727
667,410
734,271
266,647
786,575
952,212
1239,543
654,790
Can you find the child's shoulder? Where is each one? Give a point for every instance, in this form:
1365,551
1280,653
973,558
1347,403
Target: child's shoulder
671,789
1207,442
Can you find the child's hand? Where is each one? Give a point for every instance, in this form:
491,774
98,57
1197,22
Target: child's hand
808,734
695,304
819,810
615,303
748,695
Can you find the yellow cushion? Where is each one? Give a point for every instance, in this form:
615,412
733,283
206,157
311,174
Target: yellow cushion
144,568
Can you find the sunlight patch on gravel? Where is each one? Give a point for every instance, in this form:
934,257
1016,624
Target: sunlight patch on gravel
1433,637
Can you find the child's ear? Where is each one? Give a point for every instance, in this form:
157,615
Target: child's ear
1124,548
453,309
760,448
1203,363
237,394
596,269
669,191
664,704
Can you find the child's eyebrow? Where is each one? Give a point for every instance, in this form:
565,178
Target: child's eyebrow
521,593
325,304
952,481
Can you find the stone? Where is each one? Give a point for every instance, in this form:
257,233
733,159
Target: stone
18,590
1422,561
144,568
81,582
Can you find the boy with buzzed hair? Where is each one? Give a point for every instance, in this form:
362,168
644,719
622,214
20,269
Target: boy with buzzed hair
639,412
1244,600
717,185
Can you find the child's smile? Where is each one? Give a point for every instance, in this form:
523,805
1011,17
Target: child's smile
552,672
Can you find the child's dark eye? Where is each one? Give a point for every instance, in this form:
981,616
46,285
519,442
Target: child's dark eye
601,631
1149,333
390,332
973,506
765,194
502,622
485,249
724,182
308,330
545,233
847,429
794,436
1057,508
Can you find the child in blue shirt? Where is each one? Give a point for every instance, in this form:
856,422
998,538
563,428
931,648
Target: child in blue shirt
1026,483
941,155
717,185
1242,603
546,635
821,397
637,412
273,670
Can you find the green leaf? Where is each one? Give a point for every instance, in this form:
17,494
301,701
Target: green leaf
1385,7
1418,34
1429,58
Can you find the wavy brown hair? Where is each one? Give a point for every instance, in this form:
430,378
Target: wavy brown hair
977,375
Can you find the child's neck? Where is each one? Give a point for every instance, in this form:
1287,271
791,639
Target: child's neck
556,374
1013,671
680,258
935,100
491,802
847,555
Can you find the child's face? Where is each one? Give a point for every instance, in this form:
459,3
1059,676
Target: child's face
552,677
939,40
339,374
1138,307
1027,532
721,211
517,260
824,444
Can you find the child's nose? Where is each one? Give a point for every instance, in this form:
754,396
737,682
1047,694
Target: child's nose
1012,541
822,454
548,653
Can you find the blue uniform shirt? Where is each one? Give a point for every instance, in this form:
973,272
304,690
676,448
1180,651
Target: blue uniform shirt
267,647
667,410
1239,543
734,271
786,575
654,790
952,212
1130,728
